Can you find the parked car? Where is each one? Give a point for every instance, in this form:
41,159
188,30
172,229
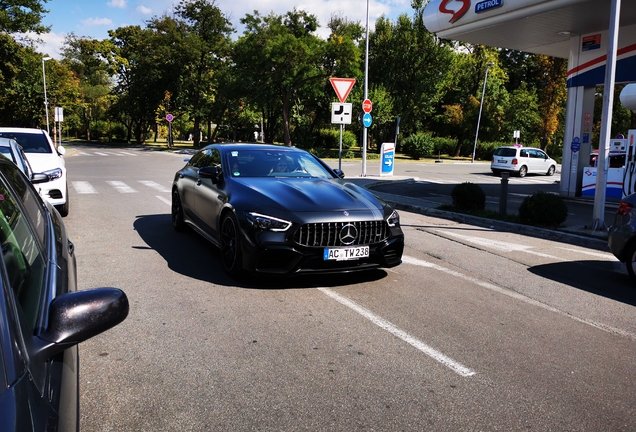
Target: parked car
521,161
44,158
621,237
42,315
11,150
281,210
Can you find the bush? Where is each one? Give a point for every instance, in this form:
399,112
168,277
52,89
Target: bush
543,209
468,197
330,139
418,145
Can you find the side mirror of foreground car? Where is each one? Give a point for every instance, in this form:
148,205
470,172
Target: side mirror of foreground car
75,317
340,173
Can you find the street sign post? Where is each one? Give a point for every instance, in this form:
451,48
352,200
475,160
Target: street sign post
388,158
341,113
367,120
367,106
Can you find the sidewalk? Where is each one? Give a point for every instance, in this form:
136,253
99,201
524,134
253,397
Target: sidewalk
393,190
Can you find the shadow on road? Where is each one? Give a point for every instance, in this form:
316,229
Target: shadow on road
596,277
189,254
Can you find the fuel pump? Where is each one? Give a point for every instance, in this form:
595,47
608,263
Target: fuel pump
629,177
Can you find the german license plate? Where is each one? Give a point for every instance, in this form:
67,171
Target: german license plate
344,254
503,161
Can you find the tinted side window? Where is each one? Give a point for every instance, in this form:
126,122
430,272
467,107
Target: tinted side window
22,255
506,152
30,200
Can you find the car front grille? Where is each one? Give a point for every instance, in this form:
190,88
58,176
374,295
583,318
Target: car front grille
341,233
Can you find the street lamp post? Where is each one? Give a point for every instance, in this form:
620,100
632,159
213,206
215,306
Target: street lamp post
481,105
46,101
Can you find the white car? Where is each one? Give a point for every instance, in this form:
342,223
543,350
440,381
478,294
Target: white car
44,158
521,161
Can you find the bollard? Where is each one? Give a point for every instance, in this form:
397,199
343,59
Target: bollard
503,193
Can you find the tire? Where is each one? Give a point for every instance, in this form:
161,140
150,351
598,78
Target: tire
630,261
177,211
551,170
64,208
523,171
230,245
496,172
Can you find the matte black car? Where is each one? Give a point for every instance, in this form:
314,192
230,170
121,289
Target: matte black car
621,237
42,315
281,210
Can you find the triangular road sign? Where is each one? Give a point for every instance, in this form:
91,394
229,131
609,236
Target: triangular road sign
342,86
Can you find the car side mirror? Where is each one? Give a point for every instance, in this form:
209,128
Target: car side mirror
75,317
61,150
340,173
211,172
39,178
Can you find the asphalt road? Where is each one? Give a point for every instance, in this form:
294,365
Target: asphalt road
476,330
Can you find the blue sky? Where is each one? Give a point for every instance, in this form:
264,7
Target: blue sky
93,18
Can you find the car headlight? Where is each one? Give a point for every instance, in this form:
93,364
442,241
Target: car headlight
394,219
267,223
54,173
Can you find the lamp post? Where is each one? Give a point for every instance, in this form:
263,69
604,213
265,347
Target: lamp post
46,101
481,105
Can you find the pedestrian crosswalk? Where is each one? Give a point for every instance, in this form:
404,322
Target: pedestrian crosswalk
84,187
120,153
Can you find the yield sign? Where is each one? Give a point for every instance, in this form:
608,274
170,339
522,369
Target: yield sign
342,86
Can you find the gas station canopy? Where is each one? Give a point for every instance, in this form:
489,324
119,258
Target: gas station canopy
534,26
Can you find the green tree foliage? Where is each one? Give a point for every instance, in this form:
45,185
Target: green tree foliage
21,16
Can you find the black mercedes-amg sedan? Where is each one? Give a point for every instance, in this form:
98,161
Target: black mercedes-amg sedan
42,315
281,210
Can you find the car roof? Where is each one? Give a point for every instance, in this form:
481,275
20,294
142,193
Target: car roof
22,130
254,146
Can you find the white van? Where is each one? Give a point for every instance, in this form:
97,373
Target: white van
522,161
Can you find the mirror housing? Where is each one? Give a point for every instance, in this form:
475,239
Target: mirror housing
210,172
340,173
61,150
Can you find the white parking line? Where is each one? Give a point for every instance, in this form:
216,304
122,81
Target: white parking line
121,187
516,295
401,334
166,200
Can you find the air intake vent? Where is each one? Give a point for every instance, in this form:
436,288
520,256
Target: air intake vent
341,233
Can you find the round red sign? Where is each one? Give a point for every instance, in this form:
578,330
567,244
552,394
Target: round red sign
367,106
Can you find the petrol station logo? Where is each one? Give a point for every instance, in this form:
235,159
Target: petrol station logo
480,7
455,14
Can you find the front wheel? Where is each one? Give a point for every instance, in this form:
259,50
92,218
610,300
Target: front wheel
230,245
551,170
630,262
523,171
177,211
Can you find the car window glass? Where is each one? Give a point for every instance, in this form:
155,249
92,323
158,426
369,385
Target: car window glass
30,142
22,255
30,200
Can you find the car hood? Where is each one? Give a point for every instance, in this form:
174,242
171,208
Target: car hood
310,195
41,162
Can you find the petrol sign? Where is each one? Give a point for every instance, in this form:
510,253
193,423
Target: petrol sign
388,158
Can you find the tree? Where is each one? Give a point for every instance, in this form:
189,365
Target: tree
279,57
21,16
206,49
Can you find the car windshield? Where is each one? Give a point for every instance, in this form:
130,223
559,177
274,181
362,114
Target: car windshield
506,152
274,163
30,142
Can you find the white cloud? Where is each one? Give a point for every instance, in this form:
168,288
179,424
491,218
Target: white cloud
144,10
91,22
48,43
117,3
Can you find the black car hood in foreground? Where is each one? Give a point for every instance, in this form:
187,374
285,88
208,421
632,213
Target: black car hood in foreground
309,195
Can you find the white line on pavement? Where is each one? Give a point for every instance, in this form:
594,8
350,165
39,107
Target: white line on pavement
83,187
121,187
411,340
154,185
166,200
516,295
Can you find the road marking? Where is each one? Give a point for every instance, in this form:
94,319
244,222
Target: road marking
129,154
401,334
121,187
517,296
594,254
101,154
83,187
154,185
498,245
166,200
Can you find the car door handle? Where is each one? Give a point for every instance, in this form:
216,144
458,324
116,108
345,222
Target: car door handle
71,248
199,182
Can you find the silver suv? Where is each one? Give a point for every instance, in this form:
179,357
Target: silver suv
521,161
